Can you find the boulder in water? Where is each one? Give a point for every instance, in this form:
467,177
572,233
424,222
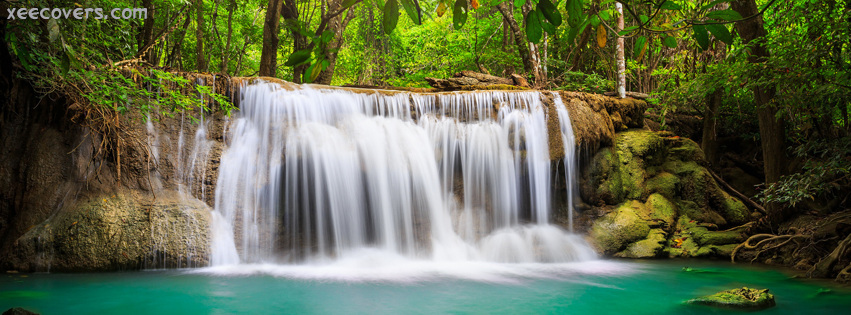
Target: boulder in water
744,298
18,311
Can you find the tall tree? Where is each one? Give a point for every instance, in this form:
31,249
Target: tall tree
226,53
200,61
529,64
337,25
709,140
269,54
772,130
619,58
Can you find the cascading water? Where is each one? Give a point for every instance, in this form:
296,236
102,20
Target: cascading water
312,175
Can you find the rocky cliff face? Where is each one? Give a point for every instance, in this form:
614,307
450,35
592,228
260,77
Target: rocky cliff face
63,206
652,196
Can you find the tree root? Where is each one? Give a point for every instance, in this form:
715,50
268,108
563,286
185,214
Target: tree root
824,267
764,239
735,192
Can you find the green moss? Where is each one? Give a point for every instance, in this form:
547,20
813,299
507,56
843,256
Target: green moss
664,183
618,228
647,248
743,298
642,144
605,178
684,149
734,210
692,210
661,209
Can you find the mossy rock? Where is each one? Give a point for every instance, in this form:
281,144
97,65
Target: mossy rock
734,210
744,298
692,210
644,144
663,183
602,181
616,230
661,210
650,247
684,149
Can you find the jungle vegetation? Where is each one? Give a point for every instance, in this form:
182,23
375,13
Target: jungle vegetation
775,72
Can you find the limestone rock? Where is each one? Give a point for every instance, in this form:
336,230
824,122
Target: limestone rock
121,231
744,298
618,229
650,247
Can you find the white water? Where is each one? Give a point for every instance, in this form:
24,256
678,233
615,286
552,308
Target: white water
323,177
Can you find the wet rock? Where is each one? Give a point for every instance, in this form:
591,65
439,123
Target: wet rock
125,230
650,247
744,298
18,311
619,228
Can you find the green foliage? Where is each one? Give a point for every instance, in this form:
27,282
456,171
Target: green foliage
593,83
827,170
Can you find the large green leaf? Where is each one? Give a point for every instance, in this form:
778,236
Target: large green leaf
391,16
627,30
670,5
549,28
549,10
413,13
701,36
534,31
348,3
298,57
721,33
726,15
519,3
574,12
638,50
670,41
459,14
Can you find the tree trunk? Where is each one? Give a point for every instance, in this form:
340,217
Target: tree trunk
289,11
619,55
528,62
269,54
200,61
709,141
772,131
146,35
226,53
337,25
175,54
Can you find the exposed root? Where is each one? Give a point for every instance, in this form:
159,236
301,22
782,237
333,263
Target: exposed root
746,225
825,267
765,239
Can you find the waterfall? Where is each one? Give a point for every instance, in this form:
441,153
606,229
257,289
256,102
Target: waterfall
311,174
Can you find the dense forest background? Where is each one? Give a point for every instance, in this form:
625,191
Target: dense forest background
775,73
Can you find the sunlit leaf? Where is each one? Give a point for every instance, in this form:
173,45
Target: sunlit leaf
348,3
601,36
640,46
441,8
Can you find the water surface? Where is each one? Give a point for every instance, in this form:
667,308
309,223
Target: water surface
399,287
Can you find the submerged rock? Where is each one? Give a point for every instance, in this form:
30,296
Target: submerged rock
743,298
18,311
